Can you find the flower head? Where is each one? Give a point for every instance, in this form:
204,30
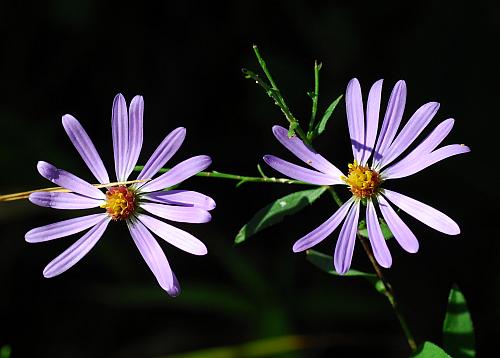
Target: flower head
123,202
365,180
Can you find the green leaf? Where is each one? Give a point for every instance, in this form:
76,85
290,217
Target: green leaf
325,263
458,331
430,350
277,210
386,232
328,113
267,347
5,351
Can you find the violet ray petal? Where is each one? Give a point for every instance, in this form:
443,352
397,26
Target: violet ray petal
174,236
392,119
135,136
372,116
178,173
355,118
424,148
324,230
153,255
68,181
64,200
425,161
62,228
399,229
119,129
423,212
304,153
167,148
77,251
416,124
377,241
186,214
300,173
347,238
85,148
182,197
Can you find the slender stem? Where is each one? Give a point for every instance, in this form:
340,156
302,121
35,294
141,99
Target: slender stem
58,189
263,65
274,92
389,293
240,178
314,96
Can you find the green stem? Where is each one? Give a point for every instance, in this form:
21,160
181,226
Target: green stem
263,65
315,96
389,293
240,178
274,92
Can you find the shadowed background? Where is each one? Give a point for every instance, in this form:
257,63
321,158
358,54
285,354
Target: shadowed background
185,58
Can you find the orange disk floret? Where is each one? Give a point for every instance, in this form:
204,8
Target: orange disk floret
120,202
363,181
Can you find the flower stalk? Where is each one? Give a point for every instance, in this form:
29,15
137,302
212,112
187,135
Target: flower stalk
389,293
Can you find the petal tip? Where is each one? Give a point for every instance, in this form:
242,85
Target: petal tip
297,247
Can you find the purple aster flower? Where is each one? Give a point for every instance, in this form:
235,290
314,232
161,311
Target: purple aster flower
125,203
365,180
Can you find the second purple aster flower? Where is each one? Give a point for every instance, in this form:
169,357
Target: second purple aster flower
365,180
125,203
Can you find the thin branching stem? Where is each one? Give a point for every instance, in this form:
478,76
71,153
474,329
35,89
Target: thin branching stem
274,92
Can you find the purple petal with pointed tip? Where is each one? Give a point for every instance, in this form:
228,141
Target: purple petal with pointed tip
400,171
182,197
399,229
177,174
392,119
174,236
62,228
424,148
423,212
119,129
304,153
135,136
416,124
167,148
186,214
85,147
372,116
347,238
76,251
355,118
64,200
377,241
300,173
154,256
68,181
325,229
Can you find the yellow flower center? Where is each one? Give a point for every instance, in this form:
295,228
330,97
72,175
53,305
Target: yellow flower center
363,181
120,202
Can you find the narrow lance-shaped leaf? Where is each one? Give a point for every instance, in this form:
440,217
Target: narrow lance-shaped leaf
328,113
277,210
429,350
325,263
458,331
386,232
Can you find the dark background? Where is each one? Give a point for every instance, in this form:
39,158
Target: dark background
185,58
